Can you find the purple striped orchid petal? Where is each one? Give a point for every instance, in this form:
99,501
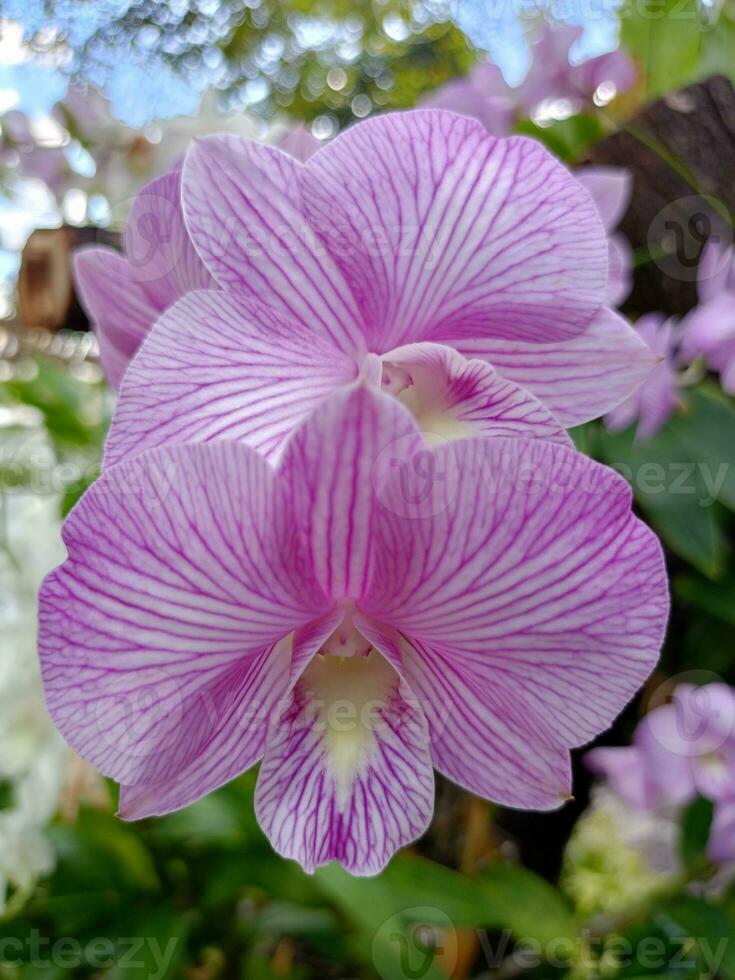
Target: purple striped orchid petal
580,379
119,308
656,401
681,750
468,97
477,743
716,272
530,570
157,245
656,771
236,740
611,189
347,772
452,397
620,278
124,295
242,204
184,566
239,732
709,331
221,366
348,438
444,232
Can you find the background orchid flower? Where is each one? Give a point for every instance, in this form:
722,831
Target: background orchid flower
124,295
483,95
655,402
366,611
680,751
552,76
611,189
709,330
299,143
408,228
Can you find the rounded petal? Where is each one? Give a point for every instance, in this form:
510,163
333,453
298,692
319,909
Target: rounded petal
611,188
444,232
124,296
236,742
709,328
119,308
716,272
347,773
527,564
220,366
627,775
329,470
183,565
239,733
620,281
465,96
476,741
299,143
581,379
453,397
161,255
667,755
242,204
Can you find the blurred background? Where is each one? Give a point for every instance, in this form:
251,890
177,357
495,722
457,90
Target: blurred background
628,880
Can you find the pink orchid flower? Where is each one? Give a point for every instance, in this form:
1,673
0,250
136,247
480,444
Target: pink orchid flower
552,76
680,751
364,612
483,95
124,295
709,330
611,189
407,230
655,402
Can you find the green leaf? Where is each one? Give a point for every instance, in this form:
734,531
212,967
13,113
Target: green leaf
707,429
409,882
528,905
568,139
715,598
154,946
414,894
100,852
696,823
709,926
64,404
668,41
673,490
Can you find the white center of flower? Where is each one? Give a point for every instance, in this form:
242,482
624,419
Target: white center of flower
428,405
350,685
715,764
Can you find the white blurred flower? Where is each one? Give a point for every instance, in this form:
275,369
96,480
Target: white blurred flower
33,757
618,857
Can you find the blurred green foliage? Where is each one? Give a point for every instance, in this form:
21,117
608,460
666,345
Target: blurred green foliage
676,42
308,57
